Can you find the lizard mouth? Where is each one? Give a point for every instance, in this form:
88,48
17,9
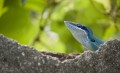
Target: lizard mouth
76,25
73,24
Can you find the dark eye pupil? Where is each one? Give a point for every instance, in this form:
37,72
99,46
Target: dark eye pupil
93,40
78,26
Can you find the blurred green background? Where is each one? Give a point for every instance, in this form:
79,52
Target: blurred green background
40,23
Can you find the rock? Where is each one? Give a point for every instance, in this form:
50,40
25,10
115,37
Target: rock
16,58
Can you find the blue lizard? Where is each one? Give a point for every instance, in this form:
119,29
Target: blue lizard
84,35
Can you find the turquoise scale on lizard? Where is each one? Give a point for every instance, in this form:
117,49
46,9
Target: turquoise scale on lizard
84,35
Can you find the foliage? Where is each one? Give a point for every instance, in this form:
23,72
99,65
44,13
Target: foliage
40,23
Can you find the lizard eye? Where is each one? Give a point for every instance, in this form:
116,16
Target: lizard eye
92,40
79,26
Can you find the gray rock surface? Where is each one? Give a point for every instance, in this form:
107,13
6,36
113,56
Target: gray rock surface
16,58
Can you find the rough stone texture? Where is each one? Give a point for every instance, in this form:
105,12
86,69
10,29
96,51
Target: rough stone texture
16,58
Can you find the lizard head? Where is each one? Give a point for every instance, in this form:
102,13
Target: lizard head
84,35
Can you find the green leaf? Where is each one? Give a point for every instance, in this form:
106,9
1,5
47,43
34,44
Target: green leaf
36,5
109,32
105,3
16,23
52,41
2,9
